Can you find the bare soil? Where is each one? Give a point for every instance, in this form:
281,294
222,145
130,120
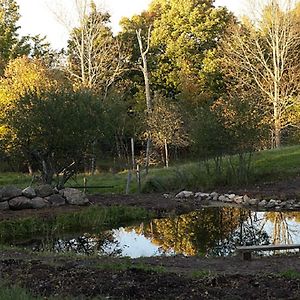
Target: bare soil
181,277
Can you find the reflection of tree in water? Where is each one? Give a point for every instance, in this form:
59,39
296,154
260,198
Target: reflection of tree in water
211,231
248,232
86,244
282,231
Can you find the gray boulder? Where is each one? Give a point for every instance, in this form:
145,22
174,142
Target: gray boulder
4,205
214,196
9,192
19,203
29,192
222,198
74,196
238,199
44,190
253,202
271,204
184,194
38,203
262,203
56,200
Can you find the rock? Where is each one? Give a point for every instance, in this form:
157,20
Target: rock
38,202
214,196
271,204
44,190
262,203
19,203
4,205
201,195
9,192
184,194
282,204
56,200
253,202
231,196
74,197
29,192
222,198
246,198
238,199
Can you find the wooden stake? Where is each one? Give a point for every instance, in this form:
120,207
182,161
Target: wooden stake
128,182
132,154
166,154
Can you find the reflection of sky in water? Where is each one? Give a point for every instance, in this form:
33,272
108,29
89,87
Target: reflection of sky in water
292,226
132,244
197,235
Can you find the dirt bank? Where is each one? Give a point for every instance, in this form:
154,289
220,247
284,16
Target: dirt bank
153,278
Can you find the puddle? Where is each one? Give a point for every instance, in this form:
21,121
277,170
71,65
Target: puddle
208,232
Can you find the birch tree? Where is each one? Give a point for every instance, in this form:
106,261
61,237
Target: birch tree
267,51
94,55
144,68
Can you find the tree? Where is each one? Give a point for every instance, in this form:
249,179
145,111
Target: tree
11,45
165,126
54,130
23,76
185,36
94,56
267,51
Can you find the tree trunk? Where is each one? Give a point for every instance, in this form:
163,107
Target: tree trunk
144,69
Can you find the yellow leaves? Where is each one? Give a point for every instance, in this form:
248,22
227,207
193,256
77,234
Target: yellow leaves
165,122
24,75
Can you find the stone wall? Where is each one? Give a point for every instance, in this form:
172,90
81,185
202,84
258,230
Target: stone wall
41,196
243,201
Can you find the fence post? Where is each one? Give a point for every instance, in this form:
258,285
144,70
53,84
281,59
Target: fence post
138,177
128,182
84,184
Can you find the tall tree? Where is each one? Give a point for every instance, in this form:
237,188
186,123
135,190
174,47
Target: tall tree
23,76
11,46
268,52
94,56
185,36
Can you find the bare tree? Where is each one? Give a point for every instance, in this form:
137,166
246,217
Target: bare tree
95,59
267,50
144,68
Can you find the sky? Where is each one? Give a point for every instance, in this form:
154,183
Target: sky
38,16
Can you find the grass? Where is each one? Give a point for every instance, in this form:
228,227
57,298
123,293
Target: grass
18,179
268,165
202,274
291,274
92,218
14,292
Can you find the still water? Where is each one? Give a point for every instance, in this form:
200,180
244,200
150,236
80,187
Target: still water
208,232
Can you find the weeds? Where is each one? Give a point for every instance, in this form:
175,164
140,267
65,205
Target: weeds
291,274
91,218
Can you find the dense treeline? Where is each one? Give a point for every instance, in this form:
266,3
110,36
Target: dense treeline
184,78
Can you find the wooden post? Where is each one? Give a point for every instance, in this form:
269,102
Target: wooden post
166,154
84,184
128,182
148,155
132,154
138,177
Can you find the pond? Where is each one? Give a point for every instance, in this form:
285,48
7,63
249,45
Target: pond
208,232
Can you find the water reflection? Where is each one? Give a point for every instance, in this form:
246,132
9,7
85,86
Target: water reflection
208,232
